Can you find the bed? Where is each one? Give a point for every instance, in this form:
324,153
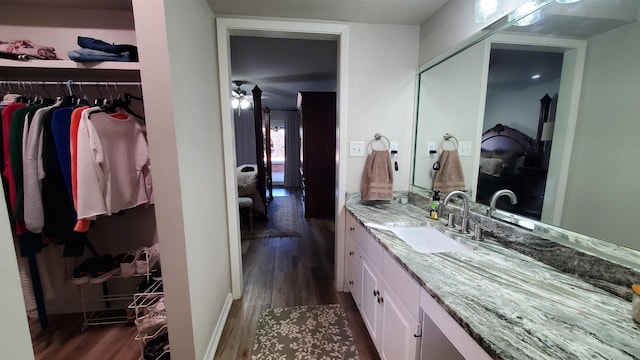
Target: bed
247,177
505,151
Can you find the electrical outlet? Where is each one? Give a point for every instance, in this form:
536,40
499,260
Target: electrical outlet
393,146
464,149
356,148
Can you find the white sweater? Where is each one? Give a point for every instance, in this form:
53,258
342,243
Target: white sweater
33,171
113,165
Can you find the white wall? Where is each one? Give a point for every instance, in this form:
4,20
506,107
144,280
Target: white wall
179,63
452,101
15,339
603,175
382,65
450,26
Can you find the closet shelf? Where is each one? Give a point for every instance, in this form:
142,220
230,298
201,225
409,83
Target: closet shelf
68,64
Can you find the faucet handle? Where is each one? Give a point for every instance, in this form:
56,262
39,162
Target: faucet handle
452,221
477,232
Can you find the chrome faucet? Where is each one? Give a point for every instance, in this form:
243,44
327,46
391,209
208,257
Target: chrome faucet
464,225
496,195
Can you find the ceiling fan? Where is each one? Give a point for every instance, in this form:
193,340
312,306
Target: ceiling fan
240,98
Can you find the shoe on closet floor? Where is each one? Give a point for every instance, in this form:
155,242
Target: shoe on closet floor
156,347
156,274
157,305
105,268
128,263
81,273
152,322
148,259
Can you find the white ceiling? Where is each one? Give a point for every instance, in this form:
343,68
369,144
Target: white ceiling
404,12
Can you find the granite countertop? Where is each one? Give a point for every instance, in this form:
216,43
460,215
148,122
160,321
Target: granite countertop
507,297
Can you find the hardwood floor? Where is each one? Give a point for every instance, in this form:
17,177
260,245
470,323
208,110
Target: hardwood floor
288,271
63,340
278,272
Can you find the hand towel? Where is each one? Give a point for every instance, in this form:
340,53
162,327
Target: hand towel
450,176
377,177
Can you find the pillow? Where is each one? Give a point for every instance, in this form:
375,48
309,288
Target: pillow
486,153
509,159
491,166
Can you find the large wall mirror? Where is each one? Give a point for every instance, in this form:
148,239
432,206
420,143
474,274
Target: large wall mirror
549,107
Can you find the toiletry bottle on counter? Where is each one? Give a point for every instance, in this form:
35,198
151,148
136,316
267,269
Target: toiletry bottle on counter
434,211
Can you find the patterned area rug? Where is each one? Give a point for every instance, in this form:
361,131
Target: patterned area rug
284,220
304,332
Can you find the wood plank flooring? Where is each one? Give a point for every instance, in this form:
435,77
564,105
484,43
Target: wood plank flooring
288,271
278,272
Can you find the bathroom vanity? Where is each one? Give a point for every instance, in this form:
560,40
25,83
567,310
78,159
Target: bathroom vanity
491,302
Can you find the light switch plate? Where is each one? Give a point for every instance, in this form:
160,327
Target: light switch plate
432,146
464,149
356,148
393,146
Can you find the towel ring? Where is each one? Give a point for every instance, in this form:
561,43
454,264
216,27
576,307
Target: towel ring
448,138
378,138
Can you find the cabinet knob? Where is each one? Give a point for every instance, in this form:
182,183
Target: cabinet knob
381,300
350,282
351,253
374,293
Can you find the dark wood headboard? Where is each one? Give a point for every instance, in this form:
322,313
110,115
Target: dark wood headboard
504,139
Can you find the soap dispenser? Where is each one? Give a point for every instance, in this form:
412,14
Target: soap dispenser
434,211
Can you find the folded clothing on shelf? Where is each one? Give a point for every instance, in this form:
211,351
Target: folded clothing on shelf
92,50
28,48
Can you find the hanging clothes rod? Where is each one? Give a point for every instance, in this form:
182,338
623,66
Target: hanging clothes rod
68,83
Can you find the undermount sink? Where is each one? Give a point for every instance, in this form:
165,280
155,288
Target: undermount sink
425,239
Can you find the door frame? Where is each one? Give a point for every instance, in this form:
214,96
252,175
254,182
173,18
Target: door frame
226,27
568,104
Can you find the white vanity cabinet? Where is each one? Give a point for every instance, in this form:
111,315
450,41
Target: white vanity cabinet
387,297
403,320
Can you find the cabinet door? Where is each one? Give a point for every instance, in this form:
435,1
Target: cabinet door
397,329
352,270
370,309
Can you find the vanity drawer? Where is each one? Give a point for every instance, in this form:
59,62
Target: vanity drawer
370,247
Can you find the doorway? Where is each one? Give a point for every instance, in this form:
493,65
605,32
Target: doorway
283,29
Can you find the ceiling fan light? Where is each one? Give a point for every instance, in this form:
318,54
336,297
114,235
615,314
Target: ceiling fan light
235,103
244,103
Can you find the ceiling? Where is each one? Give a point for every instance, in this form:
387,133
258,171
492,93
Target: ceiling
282,67
404,12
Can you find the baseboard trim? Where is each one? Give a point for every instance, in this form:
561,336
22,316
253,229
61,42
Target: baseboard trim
217,332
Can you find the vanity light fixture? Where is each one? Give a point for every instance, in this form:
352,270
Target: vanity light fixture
530,8
487,10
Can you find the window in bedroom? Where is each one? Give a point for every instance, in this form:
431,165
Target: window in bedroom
277,155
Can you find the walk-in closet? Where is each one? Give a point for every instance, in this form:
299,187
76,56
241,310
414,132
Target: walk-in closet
83,226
